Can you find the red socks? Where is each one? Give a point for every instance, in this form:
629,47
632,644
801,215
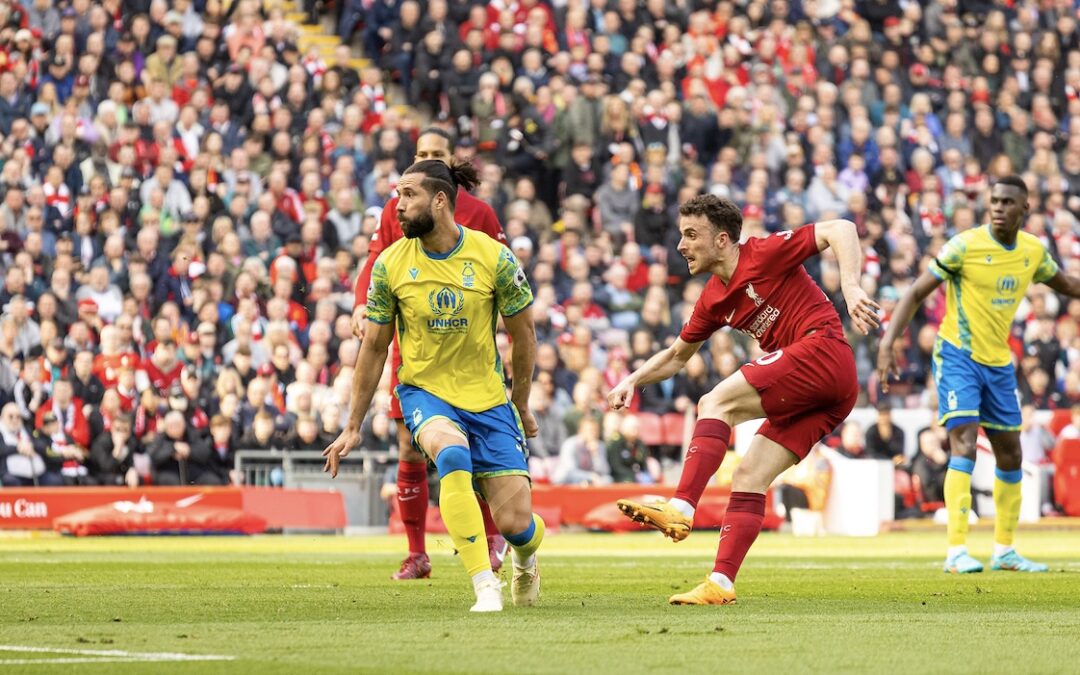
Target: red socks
412,499
489,523
707,450
742,523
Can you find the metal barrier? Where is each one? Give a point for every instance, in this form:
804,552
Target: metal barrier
359,479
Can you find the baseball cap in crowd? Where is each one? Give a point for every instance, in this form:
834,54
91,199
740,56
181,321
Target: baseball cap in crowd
23,35
753,211
265,370
39,108
522,242
68,13
374,212
889,293
88,305
891,21
172,16
919,70
82,81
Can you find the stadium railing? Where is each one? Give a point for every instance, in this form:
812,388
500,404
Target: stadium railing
359,479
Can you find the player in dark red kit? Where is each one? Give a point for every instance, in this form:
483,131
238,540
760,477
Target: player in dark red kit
804,386
412,482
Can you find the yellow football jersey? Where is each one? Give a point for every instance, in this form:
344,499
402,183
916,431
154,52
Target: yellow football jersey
446,307
986,282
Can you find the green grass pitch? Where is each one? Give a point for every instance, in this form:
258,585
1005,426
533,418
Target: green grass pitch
326,605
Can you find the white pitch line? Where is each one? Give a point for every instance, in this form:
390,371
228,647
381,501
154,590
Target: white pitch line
108,654
84,659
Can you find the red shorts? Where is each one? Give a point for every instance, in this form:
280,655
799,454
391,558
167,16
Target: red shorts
807,389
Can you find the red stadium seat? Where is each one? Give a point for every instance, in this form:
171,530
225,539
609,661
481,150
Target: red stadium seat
673,427
652,429
1066,452
1059,420
1067,488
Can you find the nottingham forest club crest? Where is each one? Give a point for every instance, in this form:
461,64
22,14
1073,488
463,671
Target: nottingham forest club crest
468,275
445,305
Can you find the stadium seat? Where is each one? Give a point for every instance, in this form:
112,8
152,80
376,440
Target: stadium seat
1067,489
1059,420
1067,451
1066,458
652,429
673,425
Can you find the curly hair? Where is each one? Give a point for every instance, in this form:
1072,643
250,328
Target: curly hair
722,214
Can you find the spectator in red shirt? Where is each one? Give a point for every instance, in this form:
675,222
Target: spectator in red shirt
68,411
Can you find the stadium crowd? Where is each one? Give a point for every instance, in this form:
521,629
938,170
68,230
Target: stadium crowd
186,200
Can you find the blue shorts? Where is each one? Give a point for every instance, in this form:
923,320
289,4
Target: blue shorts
971,392
496,437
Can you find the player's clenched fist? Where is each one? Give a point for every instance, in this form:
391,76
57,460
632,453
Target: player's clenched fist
619,397
528,423
341,447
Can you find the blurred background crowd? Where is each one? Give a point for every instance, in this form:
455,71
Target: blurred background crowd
186,196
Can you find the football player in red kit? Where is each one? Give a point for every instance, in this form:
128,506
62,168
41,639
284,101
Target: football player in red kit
412,482
804,386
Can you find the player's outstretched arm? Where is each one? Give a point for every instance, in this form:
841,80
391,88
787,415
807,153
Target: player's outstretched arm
366,376
522,361
660,367
1065,284
842,237
902,315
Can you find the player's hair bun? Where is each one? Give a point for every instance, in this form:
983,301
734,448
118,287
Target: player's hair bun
463,173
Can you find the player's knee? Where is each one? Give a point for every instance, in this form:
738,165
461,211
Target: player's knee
1008,458
512,520
714,405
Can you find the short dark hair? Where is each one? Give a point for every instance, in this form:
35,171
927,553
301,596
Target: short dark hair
1013,181
446,178
436,131
721,213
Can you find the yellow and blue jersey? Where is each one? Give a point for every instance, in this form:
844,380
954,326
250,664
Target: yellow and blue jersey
446,307
986,282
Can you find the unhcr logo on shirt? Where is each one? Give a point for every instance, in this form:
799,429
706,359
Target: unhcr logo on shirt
446,304
1007,285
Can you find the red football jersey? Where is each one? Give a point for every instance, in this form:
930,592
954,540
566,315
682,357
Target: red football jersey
469,211
770,297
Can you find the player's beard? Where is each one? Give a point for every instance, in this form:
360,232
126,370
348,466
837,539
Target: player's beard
418,226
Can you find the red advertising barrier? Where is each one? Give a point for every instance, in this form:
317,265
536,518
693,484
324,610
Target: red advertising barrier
36,508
